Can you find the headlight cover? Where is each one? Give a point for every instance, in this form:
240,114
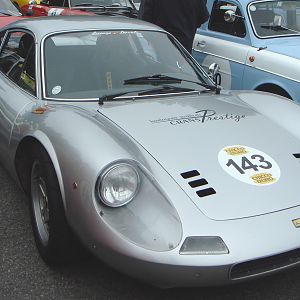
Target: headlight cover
149,220
118,185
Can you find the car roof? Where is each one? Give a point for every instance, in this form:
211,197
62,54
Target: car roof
45,25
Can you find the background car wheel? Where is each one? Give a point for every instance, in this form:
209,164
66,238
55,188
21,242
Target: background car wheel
53,236
274,89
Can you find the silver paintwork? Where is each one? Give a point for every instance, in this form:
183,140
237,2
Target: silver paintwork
83,139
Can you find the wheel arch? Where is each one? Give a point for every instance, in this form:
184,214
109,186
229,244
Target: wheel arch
273,88
23,159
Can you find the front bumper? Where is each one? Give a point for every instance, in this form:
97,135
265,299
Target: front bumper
257,246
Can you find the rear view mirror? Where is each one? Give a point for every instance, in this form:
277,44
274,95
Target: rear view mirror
213,72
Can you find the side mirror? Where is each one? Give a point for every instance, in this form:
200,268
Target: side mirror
213,70
213,73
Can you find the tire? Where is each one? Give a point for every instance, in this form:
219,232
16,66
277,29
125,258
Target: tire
54,239
273,89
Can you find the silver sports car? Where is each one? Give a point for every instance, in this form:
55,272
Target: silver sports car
121,141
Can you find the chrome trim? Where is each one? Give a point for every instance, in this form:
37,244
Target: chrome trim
220,56
285,77
158,95
105,172
43,83
253,27
35,42
133,97
4,38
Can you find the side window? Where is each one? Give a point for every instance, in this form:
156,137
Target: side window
234,26
27,78
17,60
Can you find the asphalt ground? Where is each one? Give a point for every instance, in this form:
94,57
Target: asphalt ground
23,275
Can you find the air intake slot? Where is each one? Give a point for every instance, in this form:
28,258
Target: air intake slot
206,192
198,183
297,155
190,174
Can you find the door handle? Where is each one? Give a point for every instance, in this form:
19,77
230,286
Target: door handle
201,44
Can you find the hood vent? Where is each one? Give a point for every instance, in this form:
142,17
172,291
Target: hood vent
297,155
198,183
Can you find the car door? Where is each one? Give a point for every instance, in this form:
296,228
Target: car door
225,43
17,83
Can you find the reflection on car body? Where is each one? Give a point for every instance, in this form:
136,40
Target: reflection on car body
8,13
255,44
121,141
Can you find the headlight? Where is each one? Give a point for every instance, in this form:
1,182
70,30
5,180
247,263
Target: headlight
118,185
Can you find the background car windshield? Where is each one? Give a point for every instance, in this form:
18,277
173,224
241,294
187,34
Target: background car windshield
101,2
8,7
275,18
137,3
93,64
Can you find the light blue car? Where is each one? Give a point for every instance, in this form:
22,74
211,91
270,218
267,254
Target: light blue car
255,43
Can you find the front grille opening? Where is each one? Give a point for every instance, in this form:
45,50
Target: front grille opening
297,155
267,264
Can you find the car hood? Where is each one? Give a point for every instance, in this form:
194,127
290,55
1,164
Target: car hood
286,46
189,135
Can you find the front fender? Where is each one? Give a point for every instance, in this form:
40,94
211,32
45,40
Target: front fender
79,143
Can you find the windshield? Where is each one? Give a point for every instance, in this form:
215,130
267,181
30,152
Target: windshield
115,3
82,65
275,18
7,8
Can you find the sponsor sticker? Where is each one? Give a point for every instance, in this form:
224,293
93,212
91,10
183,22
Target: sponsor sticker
200,116
296,223
56,90
109,80
249,165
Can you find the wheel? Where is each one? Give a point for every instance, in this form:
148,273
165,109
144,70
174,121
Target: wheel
54,239
274,89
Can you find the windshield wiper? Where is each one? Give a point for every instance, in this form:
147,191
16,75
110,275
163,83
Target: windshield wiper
154,79
160,79
160,90
166,89
278,27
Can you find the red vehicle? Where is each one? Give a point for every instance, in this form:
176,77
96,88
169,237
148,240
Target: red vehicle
8,13
81,7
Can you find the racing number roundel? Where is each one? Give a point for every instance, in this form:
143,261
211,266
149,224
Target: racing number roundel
249,165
